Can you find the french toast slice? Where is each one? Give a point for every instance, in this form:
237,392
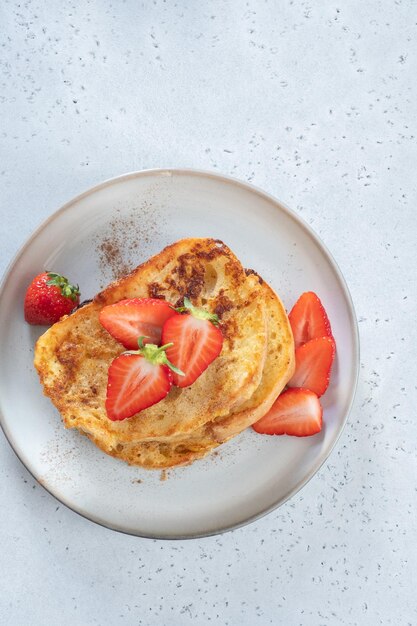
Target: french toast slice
73,356
278,369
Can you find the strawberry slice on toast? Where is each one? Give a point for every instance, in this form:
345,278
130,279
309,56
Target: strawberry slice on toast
138,379
196,340
128,320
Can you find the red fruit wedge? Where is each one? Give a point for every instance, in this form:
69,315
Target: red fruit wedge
137,380
128,320
295,412
308,319
196,342
313,362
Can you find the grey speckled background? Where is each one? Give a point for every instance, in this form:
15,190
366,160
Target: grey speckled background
316,103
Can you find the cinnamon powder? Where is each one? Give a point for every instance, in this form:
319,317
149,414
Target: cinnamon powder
125,241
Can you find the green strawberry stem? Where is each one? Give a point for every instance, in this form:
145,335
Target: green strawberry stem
67,290
198,313
155,354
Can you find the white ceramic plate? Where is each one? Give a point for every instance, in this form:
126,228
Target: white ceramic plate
143,212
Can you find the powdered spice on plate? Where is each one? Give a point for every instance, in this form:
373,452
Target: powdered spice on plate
125,237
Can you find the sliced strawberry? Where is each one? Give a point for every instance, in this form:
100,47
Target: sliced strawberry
135,384
308,319
313,362
196,342
295,412
128,320
137,380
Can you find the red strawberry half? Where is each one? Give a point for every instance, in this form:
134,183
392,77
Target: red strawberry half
49,297
313,362
128,320
196,340
137,380
295,412
308,319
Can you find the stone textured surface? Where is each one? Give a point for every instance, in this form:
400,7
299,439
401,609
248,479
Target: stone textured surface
315,103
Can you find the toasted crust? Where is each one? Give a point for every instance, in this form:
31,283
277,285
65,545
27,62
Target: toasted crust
278,369
73,356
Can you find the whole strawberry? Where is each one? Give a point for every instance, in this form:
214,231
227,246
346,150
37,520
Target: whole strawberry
49,297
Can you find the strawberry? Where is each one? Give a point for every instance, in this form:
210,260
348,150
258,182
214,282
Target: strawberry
308,319
295,412
49,297
196,340
128,320
138,379
313,362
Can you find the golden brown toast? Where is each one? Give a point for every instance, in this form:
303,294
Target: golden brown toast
278,369
73,356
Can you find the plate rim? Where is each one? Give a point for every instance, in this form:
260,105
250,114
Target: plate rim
169,172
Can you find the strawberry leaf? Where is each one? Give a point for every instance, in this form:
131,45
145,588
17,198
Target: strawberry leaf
155,355
200,314
67,290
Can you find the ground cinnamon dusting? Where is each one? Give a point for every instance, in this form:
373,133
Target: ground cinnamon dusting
111,256
125,240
